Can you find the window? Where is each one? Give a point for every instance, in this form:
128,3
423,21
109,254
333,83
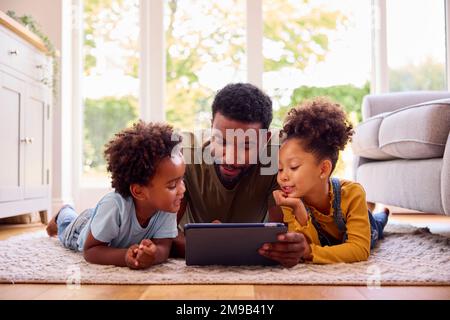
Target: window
317,48
110,78
205,43
310,48
416,45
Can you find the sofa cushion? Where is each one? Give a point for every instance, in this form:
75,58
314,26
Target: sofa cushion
365,140
416,132
412,184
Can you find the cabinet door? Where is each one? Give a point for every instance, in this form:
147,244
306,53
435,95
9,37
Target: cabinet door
35,169
12,96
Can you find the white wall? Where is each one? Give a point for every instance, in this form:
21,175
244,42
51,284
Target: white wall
55,20
46,12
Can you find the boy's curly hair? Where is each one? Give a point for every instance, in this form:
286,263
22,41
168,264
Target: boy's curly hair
134,153
323,127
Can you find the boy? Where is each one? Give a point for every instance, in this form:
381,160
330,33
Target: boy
148,180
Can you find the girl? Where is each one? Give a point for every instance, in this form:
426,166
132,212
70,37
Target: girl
331,213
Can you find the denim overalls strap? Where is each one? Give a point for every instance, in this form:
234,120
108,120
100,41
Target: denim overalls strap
340,221
337,211
326,240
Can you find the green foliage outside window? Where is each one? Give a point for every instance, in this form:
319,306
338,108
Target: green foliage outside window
102,119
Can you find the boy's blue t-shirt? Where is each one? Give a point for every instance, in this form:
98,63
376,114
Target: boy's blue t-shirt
114,222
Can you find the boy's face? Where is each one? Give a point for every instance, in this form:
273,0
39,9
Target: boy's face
166,189
298,171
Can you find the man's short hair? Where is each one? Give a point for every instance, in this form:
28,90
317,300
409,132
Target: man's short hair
244,102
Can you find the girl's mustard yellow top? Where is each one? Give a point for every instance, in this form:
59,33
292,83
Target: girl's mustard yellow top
354,211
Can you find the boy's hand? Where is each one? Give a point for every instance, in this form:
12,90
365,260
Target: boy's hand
146,254
282,199
130,257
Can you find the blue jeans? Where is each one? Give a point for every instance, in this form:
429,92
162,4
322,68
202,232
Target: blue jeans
377,223
70,225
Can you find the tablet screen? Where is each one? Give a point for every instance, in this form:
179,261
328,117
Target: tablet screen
229,243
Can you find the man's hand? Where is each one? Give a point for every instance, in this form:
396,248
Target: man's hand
146,255
290,249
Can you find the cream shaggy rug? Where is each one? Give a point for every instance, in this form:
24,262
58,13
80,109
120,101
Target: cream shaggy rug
407,256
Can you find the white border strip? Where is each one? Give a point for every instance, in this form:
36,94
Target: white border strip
255,60
380,68
447,41
152,64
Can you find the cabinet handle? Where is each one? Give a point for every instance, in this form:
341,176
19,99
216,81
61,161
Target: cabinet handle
13,52
39,66
27,140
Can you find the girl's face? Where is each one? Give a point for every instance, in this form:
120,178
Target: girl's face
298,171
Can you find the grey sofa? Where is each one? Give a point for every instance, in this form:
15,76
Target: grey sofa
402,150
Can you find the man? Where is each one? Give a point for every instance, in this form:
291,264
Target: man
230,183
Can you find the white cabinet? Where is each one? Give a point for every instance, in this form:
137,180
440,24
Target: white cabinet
37,126
12,97
25,127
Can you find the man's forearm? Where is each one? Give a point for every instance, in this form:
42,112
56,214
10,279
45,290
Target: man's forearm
179,243
163,248
275,214
178,246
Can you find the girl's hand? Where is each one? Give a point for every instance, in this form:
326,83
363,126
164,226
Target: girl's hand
296,204
282,199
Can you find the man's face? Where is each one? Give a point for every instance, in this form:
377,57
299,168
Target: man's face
234,145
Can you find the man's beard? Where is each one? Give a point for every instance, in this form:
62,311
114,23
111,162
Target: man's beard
230,182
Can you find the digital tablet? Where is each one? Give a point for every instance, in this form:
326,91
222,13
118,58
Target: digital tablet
230,244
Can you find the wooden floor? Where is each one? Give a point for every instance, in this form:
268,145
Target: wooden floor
437,224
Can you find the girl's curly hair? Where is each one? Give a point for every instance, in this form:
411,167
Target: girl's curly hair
134,153
323,127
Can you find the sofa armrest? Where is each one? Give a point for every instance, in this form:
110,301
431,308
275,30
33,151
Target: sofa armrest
374,104
357,162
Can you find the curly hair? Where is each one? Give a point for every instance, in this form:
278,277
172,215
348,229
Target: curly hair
322,126
244,102
134,154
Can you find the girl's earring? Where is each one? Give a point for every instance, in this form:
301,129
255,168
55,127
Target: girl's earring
322,176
